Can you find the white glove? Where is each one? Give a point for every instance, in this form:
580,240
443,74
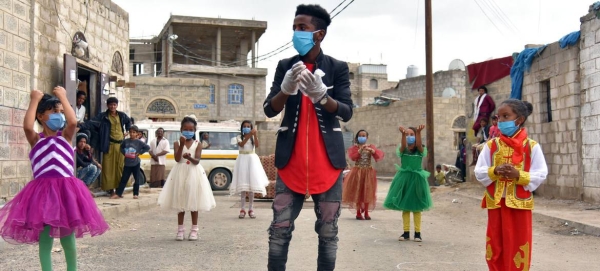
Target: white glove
312,85
289,85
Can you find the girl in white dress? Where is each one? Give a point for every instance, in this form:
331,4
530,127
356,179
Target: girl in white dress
248,174
187,188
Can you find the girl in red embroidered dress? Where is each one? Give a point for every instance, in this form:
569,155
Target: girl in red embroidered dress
360,185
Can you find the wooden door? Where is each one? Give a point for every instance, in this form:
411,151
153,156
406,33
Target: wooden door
70,79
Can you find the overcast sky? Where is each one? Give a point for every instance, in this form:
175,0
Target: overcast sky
390,32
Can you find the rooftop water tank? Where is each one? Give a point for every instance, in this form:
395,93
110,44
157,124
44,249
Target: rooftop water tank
412,71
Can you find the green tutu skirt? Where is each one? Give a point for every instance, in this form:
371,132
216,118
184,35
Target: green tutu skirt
409,191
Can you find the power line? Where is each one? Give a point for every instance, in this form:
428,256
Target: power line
496,13
337,6
488,17
505,16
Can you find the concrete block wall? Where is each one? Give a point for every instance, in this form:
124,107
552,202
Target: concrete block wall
32,42
414,88
382,123
15,86
106,30
183,93
589,65
560,137
144,54
254,97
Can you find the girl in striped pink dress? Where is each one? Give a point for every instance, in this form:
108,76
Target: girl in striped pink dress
55,204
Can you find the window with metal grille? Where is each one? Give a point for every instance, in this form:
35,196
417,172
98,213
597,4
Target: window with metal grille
211,90
236,94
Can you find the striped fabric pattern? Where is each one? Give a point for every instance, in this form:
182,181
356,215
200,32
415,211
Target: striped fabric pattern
52,157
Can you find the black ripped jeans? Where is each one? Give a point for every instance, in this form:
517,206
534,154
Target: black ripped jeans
286,208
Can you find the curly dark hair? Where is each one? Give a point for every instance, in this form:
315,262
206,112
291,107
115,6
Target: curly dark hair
521,108
320,16
251,127
189,120
356,136
48,102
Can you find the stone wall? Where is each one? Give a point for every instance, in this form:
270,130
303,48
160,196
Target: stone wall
254,96
106,30
143,53
590,106
414,88
382,123
556,126
182,93
33,41
15,80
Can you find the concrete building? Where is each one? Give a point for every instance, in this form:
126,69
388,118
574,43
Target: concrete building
214,59
407,107
563,85
40,48
367,81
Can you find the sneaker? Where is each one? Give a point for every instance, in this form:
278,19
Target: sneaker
404,237
180,234
418,237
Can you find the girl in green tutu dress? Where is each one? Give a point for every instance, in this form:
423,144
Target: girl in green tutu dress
409,191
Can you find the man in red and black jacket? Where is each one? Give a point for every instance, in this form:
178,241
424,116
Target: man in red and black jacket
314,90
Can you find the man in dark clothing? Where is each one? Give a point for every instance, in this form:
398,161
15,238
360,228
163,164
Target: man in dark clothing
110,126
314,90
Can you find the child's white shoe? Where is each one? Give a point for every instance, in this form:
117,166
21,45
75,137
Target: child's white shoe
180,233
193,234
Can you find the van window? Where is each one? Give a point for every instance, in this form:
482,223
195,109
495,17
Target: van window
172,136
223,140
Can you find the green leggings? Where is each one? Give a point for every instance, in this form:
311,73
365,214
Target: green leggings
68,245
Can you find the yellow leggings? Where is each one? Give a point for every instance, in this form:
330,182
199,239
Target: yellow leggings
406,220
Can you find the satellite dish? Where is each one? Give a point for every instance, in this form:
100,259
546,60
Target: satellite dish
449,93
457,64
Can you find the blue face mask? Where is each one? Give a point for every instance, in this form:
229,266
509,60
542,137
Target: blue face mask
303,41
508,128
411,140
246,130
188,134
362,140
56,121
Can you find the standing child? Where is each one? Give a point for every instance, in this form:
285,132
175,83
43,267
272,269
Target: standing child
494,131
360,185
131,147
248,175
511,167
54,204
409,191
187,188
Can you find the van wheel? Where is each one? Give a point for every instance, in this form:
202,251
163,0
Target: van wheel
142,177
219,179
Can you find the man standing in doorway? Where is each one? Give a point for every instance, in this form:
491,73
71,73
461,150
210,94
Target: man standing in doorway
314,90
111,127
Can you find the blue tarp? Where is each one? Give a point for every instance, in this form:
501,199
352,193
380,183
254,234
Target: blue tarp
570,39
521,65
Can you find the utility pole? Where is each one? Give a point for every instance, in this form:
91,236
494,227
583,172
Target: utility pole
429,92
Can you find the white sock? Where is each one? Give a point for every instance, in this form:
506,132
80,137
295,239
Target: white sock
251,196
243,198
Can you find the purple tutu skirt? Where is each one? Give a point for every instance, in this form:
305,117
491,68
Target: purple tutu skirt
64,203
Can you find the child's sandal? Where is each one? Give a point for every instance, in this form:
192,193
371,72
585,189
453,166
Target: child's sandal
180,234
242,214
251,214
193,235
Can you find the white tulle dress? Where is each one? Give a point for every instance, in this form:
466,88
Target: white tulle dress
187,187
248,174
